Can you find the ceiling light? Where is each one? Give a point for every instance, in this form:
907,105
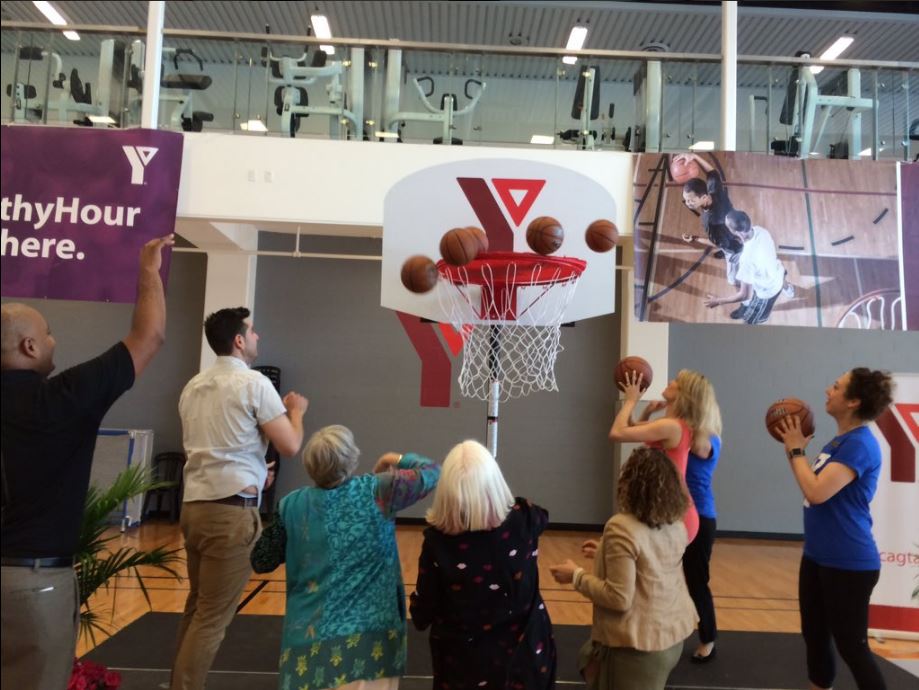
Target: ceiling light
52,15
576,38
575,42
834,51
321,29
866,152
386,135
703,146
101,120
542,139
253,126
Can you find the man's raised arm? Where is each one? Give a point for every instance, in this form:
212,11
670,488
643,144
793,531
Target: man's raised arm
148,325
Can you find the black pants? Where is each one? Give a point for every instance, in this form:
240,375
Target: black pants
695,568
834,608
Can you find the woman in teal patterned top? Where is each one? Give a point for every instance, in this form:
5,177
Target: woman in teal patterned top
345,620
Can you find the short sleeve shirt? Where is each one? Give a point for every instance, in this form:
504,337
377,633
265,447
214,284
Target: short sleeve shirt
759,265
713,217
222,410
49,435
837,532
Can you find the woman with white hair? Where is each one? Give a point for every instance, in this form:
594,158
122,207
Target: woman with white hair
478,581
345,621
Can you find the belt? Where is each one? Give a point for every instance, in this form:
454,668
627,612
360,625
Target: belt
237,501
53,562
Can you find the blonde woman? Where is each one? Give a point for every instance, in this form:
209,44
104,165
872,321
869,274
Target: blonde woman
690,418
478,582
642,611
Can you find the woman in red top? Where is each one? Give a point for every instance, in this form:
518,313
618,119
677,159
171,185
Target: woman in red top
688,402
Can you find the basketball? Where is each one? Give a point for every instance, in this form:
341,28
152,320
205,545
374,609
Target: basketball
419,274
682,170
789,406
601,235
459,246
545,235
637,364
481,236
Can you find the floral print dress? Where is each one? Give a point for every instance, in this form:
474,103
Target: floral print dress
479,593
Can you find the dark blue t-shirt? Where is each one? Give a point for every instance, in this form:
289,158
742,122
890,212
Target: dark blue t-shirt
699,473
837,532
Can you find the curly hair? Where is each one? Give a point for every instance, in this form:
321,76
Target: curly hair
873,390
650,488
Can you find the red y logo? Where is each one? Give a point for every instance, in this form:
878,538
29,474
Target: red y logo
902,449
436,367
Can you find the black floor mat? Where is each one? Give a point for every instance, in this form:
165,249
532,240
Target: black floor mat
249,654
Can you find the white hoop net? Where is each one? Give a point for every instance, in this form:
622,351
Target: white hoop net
509,313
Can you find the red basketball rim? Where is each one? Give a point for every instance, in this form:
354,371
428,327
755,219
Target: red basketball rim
492,269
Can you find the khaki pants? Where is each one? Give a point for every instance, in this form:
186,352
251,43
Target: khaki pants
218,541
40,619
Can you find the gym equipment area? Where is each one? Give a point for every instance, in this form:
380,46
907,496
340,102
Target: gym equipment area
381,91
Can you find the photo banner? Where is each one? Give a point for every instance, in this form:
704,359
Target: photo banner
895,511
77,206
814,242
909,216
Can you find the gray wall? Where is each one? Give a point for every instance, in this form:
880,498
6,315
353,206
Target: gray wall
321,323
85,329
750,369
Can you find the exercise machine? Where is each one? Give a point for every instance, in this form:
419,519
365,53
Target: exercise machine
102,107
292,75
25,104
179,88
803,99
394,120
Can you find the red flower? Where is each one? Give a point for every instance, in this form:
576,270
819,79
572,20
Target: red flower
87,675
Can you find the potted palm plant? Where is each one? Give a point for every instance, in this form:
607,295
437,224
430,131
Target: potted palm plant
97,561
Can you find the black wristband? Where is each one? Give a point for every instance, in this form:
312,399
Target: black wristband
795,452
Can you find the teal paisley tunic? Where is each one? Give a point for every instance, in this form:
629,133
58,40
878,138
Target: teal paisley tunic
345,618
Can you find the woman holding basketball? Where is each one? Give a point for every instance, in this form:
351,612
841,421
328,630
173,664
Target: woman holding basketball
690,434
841,564
690,408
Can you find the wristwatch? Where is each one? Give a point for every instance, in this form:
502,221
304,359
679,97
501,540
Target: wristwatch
795,452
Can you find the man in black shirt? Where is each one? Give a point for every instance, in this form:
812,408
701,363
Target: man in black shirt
710,200
49,430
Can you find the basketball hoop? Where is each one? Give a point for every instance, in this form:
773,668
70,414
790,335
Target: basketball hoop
508,307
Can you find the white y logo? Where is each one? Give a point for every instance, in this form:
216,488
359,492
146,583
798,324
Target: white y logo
139,157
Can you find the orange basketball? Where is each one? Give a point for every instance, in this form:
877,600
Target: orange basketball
637,364
481,236
682,170
419,274
545,235
459,246
601,235
789,406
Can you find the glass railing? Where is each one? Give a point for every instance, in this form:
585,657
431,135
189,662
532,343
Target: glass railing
475,95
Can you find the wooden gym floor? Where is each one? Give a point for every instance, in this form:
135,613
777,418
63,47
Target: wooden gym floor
834,224
754,583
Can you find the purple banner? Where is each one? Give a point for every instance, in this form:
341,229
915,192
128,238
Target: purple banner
77,206
909,213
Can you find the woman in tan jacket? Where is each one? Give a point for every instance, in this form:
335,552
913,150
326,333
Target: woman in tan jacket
642,609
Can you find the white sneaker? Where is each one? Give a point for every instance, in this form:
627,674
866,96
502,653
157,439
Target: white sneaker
788,290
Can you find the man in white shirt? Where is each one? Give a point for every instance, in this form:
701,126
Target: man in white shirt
229,414
760,273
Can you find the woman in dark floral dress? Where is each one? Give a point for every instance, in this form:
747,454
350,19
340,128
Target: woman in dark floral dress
478,582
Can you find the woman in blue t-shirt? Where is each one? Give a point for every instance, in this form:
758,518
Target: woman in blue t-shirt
841,564
703,459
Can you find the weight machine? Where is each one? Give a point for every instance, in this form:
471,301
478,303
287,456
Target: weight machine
394,119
